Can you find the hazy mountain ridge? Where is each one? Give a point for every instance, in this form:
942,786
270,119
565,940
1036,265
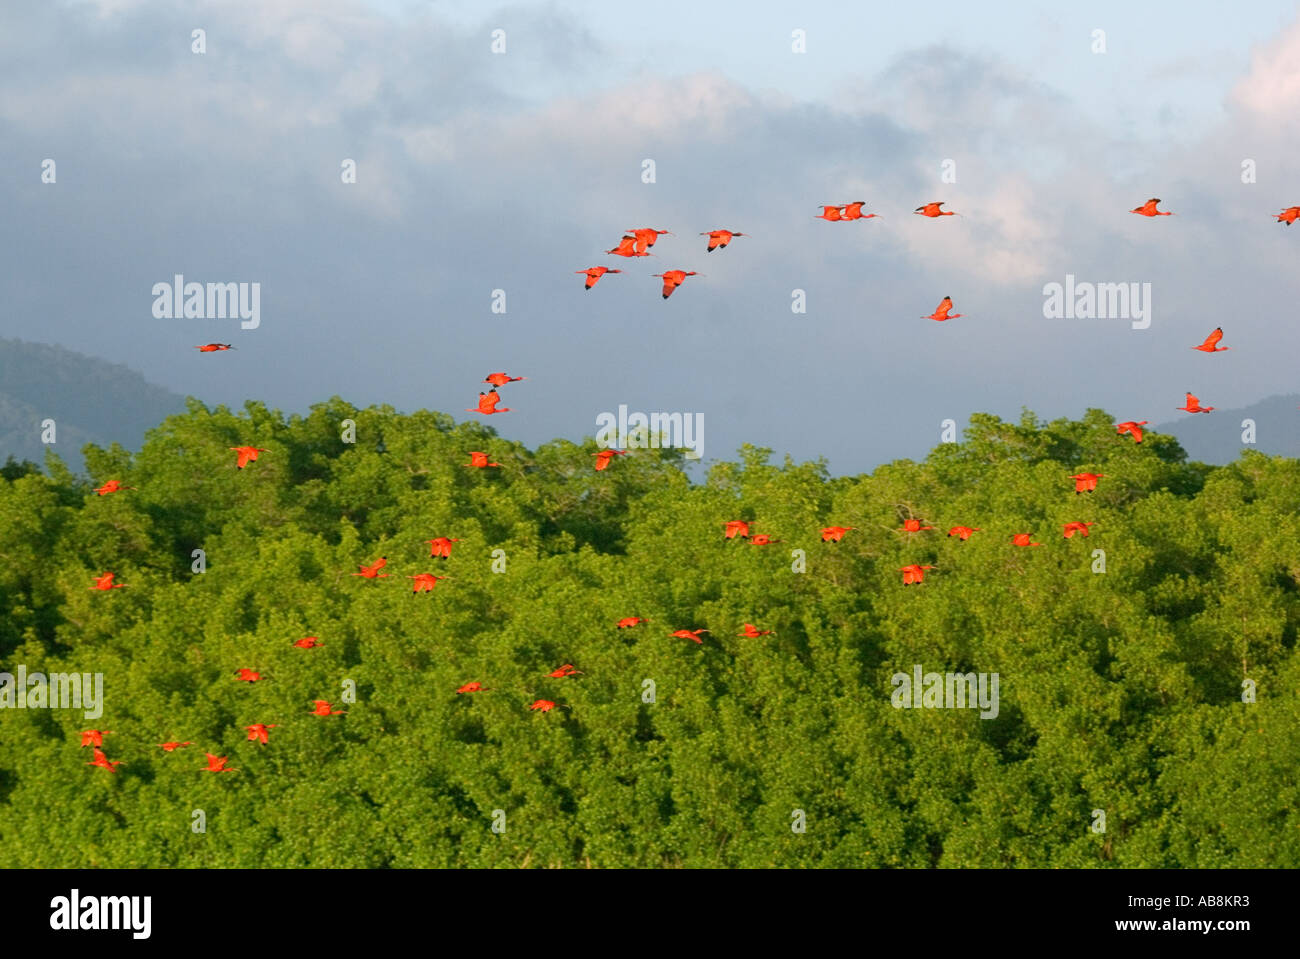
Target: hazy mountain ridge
91,401
1217,437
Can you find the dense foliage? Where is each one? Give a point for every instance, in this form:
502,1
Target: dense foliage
1121,690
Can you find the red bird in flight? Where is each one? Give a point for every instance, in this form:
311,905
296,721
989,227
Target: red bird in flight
830,213
217,764
501,379
718,239
604,456
214,347
963,532
322,707
308,642
487,403
563,671
1193,405
1072,528
478,460
914,573
1132,428
1022,539
753,632
441,546
172,747
627,622
103,762
260,731
112,486
647,237
932,210
1211,344
105,582
424,582
833,534
248,676
692,634
545,705
943,311
474,687
1289,215
737,527
853,211
1085,482
673,279
94,737
373,571
762,539
630,246
246,455
913,526
594,273
1149,209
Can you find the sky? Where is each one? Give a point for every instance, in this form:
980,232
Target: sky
480,171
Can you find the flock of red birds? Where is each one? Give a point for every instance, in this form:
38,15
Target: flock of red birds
637,243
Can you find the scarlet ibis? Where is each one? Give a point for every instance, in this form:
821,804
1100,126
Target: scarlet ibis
627,622
545,705
1132,428
217,764
474,687
103,762
487,403
914,573
753,632
830,213
1193,405
478,460
247,676
563,671
441,546
943,311
246,455
853,211
963,532
1022,539
604,456
501,379
105,582
322,707
914,526
647,237
933,209
762,539
673,279
260,732
718,239
1085,482
594,273
214,347
424,582
373,571
308,642
630,246
1211,344
737,527
112,486
94,737
1289,215
692,634
172,747
1072,528
1149,209
833,534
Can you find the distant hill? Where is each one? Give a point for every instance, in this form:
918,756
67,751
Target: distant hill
1216,437
90,400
